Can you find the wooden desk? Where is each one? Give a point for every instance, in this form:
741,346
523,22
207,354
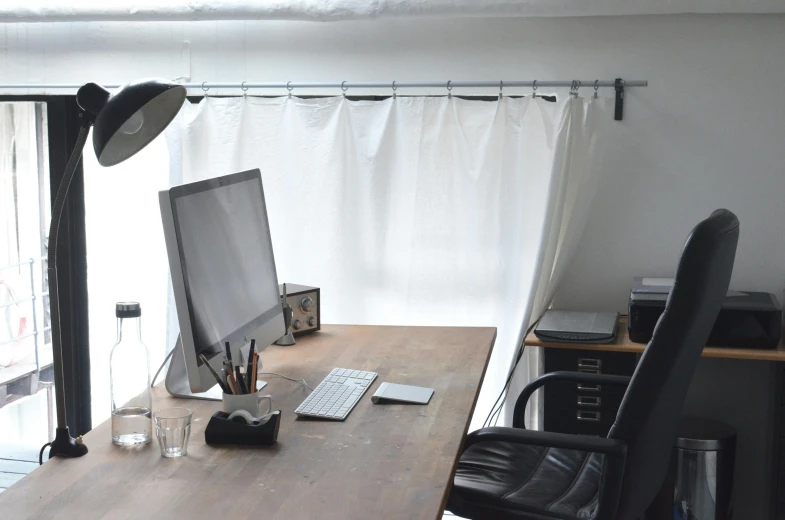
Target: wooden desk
384,461
624,344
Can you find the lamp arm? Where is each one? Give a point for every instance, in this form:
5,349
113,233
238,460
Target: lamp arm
63,445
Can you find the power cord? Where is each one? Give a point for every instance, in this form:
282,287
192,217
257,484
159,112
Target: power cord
41,453
152,383
301,381
496,410
169,355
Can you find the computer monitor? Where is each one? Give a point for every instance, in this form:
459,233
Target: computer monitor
223,275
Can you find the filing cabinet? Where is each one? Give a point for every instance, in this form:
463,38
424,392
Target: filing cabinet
584,409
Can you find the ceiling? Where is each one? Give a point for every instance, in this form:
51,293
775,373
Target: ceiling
12,11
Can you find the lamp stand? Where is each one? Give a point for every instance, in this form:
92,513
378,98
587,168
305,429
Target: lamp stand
63,444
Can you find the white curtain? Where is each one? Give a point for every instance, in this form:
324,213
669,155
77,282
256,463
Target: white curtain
413,210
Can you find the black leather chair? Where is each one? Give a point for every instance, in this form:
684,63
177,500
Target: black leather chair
514,473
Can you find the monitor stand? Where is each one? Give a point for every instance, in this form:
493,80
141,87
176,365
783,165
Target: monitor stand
177,379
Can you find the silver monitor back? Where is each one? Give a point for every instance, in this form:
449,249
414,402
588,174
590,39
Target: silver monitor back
223,275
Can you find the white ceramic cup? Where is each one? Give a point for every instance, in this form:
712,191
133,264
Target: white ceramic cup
251,403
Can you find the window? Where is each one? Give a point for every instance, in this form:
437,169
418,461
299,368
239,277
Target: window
126,258
26,400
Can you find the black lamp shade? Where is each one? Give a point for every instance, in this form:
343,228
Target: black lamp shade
133,117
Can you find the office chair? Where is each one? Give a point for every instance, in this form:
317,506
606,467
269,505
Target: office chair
514,473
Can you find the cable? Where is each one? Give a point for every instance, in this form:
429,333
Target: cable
41,453
301,381
500,399
152,383
169,355
503,394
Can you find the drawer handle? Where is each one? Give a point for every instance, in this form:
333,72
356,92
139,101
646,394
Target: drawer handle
589,400
590,363
588,416
589,388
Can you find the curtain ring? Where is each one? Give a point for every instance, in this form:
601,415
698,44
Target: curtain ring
289,88
534,89
205,89
596,88
344,88
394,89
501,86
576,84
244,89
449,89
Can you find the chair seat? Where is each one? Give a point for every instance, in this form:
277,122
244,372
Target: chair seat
511,480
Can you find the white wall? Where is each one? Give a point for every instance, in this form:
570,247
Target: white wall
708,132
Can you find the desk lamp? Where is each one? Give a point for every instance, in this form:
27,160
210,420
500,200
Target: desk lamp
122,125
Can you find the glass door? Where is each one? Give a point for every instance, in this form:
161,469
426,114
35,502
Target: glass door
26,397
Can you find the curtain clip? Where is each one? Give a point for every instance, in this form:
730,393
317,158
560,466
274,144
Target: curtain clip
244,89
534,89
449,89
501,86
596,88
289,88
344,88
205,89
576,84
394,88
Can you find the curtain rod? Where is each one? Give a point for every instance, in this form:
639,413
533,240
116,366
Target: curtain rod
291,85
618,84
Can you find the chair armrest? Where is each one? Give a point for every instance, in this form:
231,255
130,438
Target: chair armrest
612,447
560,377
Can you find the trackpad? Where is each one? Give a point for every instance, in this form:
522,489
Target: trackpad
392,393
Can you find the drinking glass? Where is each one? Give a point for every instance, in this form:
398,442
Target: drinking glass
173,427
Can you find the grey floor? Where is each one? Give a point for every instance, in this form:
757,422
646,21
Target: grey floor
24,428
16,462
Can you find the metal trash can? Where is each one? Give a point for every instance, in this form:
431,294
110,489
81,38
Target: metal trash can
700,479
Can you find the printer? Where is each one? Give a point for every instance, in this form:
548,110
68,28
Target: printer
747,319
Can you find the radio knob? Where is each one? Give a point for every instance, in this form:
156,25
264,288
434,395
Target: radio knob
296,324
312,321
306,304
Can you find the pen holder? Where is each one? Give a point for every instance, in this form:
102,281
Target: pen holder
220,430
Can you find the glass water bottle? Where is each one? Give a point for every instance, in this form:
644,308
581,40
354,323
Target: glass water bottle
129,379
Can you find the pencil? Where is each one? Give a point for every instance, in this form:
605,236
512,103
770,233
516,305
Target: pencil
253,372
229,353
233,384
240,380
248,368
230,379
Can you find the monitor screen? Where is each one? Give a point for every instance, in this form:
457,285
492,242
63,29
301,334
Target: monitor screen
227,258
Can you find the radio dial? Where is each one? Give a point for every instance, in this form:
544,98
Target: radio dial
297,324
306,304
312,321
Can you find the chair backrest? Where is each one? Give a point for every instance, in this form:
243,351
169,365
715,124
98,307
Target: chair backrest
649,414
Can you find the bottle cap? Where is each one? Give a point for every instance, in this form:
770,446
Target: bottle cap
128,310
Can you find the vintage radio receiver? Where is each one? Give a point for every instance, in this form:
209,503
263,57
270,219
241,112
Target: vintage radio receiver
305,302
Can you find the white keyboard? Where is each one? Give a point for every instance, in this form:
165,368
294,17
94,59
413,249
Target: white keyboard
336,396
